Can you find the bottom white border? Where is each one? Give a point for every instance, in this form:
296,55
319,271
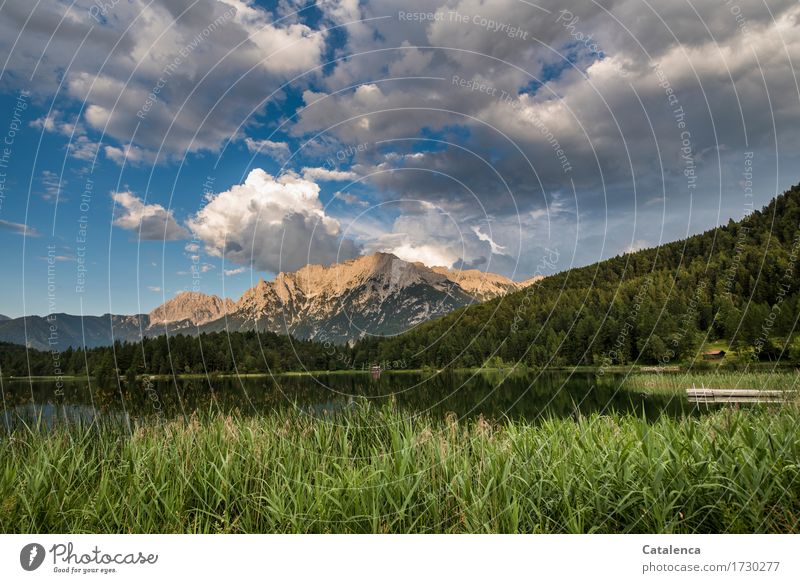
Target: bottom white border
378,558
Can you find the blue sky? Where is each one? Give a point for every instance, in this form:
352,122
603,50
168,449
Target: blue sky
202,145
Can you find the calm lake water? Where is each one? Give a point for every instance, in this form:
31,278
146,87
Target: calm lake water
495,396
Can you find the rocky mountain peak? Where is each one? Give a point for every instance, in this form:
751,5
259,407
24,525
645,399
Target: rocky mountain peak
316,280
195,307
482,285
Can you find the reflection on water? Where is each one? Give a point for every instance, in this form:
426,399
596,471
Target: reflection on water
48,415
495,396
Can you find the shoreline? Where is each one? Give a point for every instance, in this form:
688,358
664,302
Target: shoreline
582,369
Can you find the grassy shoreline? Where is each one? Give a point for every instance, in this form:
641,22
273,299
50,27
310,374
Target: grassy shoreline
374,470
677,383
758,368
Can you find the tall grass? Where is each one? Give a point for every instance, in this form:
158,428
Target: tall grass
374,470
678,382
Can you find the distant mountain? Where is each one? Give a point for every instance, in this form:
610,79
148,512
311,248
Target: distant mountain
378,294
183,313
69,330
4,318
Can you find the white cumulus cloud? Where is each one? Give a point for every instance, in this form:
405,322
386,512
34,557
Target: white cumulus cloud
430,255
277,150
152,221
496,249
273,224
328,174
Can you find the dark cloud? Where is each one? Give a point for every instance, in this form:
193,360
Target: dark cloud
645,102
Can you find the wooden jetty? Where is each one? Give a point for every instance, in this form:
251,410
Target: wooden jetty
707,395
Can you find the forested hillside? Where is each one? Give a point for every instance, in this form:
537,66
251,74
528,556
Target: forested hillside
738,283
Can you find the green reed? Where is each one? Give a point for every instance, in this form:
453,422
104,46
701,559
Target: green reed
377,470
678,382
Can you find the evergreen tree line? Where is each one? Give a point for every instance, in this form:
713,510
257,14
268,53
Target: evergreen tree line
218,352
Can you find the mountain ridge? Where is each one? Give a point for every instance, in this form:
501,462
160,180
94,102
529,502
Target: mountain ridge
372,294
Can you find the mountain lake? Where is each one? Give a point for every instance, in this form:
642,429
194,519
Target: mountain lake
495,396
